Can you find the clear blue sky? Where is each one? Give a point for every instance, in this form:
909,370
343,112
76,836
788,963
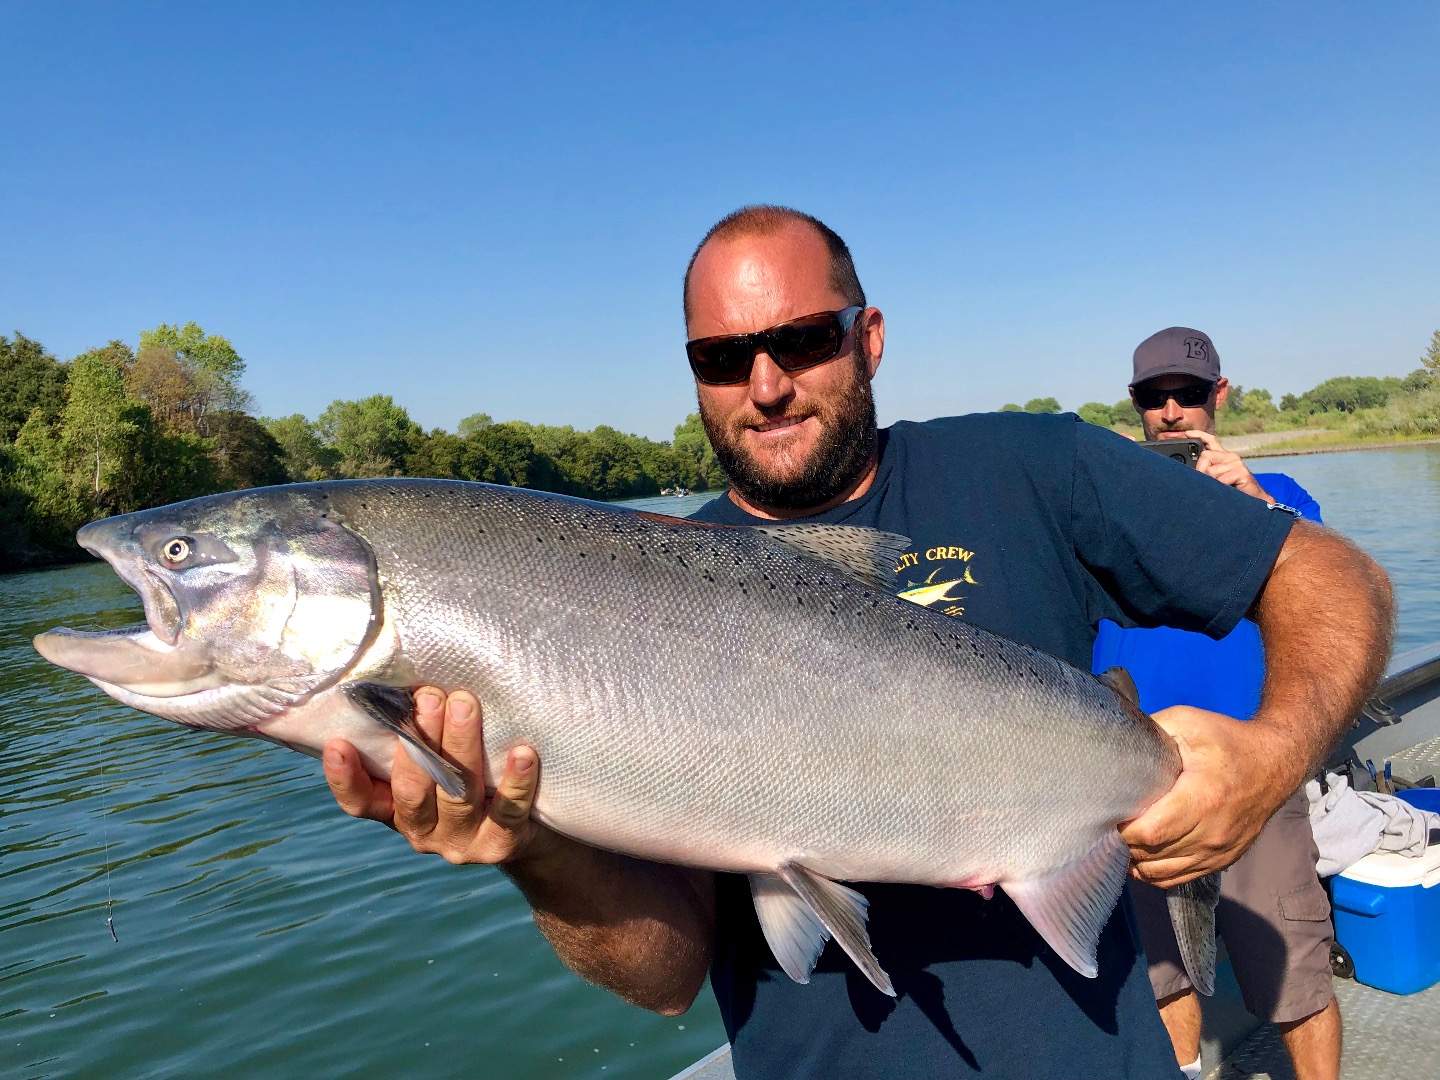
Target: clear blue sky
484,207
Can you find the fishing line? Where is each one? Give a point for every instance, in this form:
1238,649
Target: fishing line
105,832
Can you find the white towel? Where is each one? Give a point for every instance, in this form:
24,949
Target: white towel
1350,824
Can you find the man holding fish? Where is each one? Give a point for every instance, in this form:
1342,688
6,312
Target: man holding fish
1034,527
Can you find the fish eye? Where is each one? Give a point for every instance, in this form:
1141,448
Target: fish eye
176,551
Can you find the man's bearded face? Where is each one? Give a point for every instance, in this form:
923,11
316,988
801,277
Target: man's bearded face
790,479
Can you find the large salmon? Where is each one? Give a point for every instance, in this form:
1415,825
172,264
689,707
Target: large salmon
749,700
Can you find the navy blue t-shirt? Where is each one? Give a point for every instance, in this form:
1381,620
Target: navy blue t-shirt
1177,667
1036,527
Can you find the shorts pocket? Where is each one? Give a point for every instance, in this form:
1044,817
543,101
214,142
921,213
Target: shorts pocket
1307,904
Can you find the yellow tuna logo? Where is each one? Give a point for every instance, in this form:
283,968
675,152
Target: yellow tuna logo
937,592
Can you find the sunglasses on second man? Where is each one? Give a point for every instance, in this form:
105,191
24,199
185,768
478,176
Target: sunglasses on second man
1190,396
806,342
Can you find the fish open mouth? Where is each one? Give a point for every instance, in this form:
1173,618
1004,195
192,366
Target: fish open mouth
133,657
146,659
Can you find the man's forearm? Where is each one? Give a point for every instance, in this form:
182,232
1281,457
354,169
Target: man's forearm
1326,617
642,930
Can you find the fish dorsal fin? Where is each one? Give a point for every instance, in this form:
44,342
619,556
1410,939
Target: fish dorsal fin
394,708
1069,906
867,554
817,908
1192,914
1119,680
792,930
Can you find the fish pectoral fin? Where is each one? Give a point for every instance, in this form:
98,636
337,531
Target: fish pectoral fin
1070,906
868,555
792,930
841,912
394,708
1192,914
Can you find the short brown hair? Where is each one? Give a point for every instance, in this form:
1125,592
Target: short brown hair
764,220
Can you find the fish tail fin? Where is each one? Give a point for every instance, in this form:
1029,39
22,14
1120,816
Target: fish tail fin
1192,914
1070,906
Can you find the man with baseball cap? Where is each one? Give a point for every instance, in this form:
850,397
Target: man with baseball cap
1273,914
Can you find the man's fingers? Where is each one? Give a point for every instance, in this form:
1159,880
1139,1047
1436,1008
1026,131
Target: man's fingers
461,741
412,793
1167,873
508,820
358,794
430,712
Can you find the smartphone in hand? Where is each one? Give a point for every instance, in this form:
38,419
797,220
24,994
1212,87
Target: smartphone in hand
1185,451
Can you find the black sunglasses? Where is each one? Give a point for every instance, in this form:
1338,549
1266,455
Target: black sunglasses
801,343
1191,396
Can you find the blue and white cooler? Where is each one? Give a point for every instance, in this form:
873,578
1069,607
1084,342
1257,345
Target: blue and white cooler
1387,916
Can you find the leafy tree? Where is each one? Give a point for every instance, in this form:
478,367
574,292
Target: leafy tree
691,442
439,455
473,423
246,454
53,507
303,454
97,423
1417,380
1288,402
1348,393
30,379
1092,412
1011,408
1431,358
506,454
169,387
373,436
163,468
1042,405
213,364
1249,403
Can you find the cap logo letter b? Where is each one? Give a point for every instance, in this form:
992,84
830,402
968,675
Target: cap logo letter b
1195,349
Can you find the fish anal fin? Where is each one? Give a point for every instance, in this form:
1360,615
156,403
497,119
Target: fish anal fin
794,933
841,911
1192,914
1119,680
1070,906
394,708
868,555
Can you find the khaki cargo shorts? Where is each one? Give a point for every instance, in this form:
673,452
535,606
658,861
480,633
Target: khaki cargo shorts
1274,918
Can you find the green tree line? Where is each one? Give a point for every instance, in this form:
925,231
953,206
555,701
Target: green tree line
117,429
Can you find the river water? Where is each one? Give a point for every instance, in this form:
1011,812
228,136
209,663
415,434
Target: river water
262,933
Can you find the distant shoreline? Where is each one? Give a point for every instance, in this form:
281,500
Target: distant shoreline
1291,450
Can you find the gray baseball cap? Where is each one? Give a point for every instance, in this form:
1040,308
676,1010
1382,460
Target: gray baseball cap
1176,351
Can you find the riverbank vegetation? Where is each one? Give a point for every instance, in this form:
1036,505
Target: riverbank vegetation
117,429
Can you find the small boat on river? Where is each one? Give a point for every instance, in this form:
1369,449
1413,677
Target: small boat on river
1387,1036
